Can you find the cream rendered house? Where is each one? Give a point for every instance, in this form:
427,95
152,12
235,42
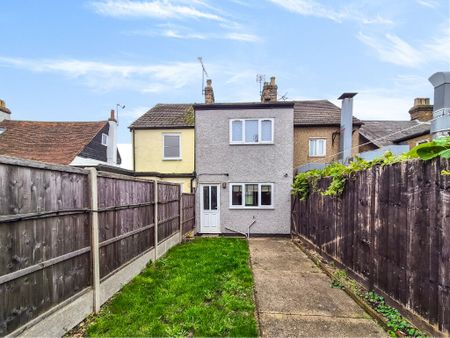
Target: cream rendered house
163,144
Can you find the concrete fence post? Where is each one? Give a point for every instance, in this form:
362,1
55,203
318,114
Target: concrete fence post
156,219
181,211
95,249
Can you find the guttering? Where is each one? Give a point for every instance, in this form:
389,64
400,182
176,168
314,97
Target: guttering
243,105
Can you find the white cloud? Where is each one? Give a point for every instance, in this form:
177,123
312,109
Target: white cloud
182,33
162,9
317,9
103,76
393,49
428,3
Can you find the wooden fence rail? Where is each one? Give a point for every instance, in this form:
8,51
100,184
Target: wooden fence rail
64,231
391,227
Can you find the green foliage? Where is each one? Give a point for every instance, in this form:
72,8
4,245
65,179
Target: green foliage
396,323
201,288
436,148
305,183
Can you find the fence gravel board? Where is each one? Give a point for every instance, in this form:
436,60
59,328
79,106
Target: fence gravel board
391,226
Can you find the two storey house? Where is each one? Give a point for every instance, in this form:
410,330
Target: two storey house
244,154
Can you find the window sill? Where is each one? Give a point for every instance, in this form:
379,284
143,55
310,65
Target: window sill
317,156
252,208
172,159
252,144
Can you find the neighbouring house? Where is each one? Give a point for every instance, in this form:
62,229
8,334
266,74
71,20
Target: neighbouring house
68,143
244,155
378,136
163,144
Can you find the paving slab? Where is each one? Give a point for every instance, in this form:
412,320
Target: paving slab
295,298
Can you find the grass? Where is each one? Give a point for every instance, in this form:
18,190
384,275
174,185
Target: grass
201,288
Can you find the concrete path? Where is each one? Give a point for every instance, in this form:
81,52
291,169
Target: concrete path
294,297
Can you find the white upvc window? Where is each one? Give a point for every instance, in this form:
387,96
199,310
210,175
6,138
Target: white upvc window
317,147
105,139
251,195
171,146
251,131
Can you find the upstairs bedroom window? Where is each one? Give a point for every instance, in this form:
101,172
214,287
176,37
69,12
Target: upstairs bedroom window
105,139
172,147
251,195
251,131
317,147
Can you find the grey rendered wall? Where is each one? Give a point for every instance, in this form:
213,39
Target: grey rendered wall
215,157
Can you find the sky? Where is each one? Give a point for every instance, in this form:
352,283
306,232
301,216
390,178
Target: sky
74,60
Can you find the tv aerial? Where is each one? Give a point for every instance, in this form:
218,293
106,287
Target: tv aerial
260,78
204,73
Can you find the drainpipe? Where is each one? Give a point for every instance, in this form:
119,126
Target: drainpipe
346,126
440,125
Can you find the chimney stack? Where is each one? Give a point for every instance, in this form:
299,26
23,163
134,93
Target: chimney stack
111,149
441,109
422,110
346,126
5,113
209,92
269,91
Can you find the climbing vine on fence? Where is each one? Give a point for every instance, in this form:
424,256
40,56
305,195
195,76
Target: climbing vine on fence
305,183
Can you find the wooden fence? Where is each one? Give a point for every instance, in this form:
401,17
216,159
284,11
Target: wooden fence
65,230
188,212
392,228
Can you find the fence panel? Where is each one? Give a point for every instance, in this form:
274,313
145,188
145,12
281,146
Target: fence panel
168,209
391,227
126,220
44,239
188,212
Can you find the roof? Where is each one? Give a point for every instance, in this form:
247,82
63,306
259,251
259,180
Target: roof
180,115
306,113
50,142
317,113
384,133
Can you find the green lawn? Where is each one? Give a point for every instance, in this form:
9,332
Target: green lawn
201,288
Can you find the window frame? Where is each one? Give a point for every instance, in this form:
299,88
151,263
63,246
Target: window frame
179,158
243,206
271,119
324,146
104,137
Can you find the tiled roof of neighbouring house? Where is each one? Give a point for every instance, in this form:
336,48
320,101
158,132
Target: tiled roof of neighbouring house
50,142
384,133
167,116
317,112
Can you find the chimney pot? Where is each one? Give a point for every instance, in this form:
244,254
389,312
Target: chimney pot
112,116
270,91
422,109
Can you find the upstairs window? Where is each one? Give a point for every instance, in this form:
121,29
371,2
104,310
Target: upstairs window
251,131
317,147
105,139
172,146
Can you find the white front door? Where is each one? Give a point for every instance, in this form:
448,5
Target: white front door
210,208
